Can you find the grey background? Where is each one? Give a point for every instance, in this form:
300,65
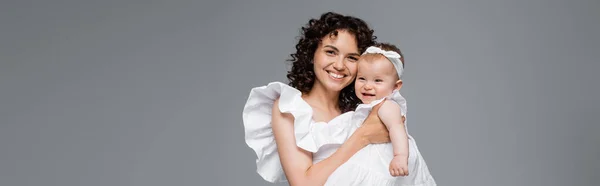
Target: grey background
150,93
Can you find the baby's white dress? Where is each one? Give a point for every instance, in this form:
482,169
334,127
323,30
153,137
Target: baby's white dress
369,166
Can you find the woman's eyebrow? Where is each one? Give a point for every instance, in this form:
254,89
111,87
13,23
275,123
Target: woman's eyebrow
332,47
337,50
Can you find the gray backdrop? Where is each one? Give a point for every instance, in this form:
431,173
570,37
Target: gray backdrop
150,93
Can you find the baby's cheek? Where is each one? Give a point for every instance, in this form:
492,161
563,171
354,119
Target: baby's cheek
357,86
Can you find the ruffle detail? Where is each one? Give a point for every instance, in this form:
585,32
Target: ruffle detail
259,133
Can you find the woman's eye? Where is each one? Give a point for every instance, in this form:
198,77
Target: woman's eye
330,52
353,59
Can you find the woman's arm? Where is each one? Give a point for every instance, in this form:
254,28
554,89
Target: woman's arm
297,163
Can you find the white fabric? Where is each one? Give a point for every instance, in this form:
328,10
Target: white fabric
370,166
259,134
394,57
367,167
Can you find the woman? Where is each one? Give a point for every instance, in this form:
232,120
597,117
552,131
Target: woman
282,122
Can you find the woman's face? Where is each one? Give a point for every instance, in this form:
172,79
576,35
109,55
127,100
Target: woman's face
335,61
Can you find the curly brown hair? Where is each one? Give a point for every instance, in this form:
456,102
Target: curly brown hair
302,75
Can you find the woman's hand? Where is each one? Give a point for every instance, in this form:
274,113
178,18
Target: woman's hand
373,130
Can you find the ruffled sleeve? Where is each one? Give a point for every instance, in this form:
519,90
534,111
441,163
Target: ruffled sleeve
397,97
259,134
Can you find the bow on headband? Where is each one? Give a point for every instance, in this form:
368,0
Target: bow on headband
390,55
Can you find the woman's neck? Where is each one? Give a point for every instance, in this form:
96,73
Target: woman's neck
320,97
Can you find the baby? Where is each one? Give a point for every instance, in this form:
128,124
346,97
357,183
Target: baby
379,75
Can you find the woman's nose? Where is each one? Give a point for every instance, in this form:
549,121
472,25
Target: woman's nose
338,65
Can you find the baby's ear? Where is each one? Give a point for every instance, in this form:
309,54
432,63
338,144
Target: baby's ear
398,85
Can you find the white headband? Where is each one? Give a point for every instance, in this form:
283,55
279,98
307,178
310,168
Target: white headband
390,55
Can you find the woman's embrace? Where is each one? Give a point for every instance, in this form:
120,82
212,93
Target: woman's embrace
294,128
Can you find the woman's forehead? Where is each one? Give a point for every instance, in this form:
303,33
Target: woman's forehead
343,41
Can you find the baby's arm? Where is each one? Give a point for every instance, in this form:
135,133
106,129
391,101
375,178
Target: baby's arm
390,115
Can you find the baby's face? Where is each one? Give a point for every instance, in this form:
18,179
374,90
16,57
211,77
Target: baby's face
376,79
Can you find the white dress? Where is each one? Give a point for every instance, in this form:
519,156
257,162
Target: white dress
369,166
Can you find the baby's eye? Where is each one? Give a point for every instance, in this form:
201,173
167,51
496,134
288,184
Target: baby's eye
378,80
361,78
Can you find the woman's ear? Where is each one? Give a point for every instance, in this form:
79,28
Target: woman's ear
398,85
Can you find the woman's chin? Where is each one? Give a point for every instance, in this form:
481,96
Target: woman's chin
337,86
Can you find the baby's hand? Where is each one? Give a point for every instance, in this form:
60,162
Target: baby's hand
399,166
